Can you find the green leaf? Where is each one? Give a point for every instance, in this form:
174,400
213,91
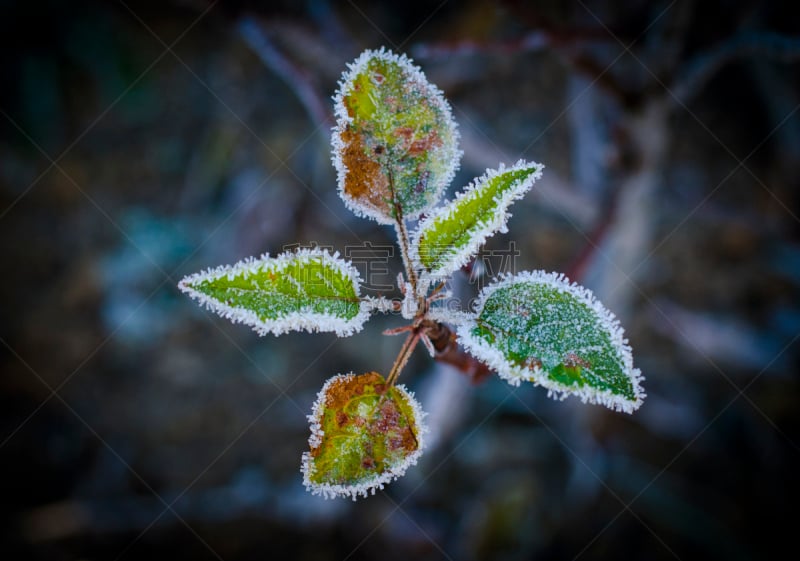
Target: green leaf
309,290
395,140
363,435
541,328
448,238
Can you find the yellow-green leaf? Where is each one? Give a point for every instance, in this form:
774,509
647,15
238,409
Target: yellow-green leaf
364,434
539,327
395,141
309,290
450,236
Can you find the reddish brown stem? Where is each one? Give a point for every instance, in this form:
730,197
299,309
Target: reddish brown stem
448,351
402,357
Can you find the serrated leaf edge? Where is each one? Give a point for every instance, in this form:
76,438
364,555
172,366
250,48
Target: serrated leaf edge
370,486
514,374
295,321
417,76
487,229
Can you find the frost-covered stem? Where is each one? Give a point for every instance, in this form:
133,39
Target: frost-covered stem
402,358
402,237
402,240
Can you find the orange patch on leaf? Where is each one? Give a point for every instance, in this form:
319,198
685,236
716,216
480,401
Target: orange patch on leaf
340,393
364,182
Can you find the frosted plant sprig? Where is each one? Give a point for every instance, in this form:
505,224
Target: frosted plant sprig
395,150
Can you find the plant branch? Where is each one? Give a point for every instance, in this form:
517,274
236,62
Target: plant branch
665,41
448,351
539,39
595,238
566,44
402,238
699,70
295,77
402,358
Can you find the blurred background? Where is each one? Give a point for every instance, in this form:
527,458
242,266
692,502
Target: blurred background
143,141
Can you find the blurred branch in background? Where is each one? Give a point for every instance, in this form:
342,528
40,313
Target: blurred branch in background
762,45
297,78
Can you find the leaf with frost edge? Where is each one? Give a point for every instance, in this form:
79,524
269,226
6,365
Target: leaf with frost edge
515,374
434,94
364,488
484,229
294,321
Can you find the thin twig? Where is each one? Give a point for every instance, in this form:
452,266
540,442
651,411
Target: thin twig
402,358
567,44
538,39
699,70
402,238
297,78
664,44
595,238
531,42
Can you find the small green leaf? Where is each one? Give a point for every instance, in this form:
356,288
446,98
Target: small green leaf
309,290
539,327
448,238
395,140
364,434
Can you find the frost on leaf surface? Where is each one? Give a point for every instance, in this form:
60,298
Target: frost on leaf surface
395,140
364,434
309,290
448,238
540,327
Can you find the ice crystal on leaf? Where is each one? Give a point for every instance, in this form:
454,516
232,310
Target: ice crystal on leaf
451,235
309,290
395,140
364,434
539,327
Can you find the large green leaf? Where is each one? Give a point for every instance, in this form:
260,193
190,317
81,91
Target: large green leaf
395,141
364,434
448,238
541,328
309,290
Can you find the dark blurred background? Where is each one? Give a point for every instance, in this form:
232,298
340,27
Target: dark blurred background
142,141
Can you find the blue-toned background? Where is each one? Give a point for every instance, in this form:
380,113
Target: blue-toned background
143,141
